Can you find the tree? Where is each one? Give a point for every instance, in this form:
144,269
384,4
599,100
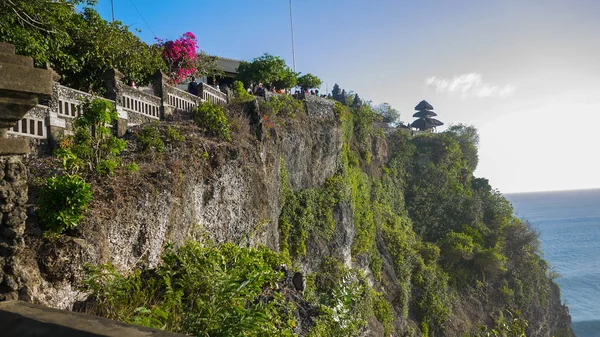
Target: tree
468,139
181,56
387,112
309,81
269,70
335,93
207,65
288,79
99,45
356,102
79,46
38,28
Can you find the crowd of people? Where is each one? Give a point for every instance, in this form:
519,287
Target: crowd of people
259,90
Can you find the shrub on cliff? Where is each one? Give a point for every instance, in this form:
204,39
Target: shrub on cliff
284,105
93,147
63,202
221,290
211,118
240,94
149,139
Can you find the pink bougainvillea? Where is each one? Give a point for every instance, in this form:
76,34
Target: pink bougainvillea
181,56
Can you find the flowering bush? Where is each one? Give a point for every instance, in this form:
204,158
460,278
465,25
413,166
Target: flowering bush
181,56
268,123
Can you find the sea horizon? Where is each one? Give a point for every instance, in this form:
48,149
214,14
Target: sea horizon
568,223
552,191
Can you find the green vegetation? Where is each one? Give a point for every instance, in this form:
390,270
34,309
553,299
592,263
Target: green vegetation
283,105
309,81
269,70
93,147
384,314
63,199
345,300
133,167
63,203
387,112
151,142
149,139
174,137
240,94
211,118
214,290
81,46
447,232
305,212
435,238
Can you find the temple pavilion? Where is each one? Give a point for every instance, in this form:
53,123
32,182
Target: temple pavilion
424,115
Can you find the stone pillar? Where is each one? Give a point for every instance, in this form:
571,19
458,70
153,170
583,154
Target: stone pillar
13,199
20,87
159,83
56,125
113,84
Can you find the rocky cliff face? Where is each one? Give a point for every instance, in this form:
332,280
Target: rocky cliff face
221,191
13,199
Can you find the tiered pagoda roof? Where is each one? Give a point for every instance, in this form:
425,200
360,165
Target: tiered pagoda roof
424,114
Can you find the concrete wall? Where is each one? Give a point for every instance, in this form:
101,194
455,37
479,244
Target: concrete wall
21,319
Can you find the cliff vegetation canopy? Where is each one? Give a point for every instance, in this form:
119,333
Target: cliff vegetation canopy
436,250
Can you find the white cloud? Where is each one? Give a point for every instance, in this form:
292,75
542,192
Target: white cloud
470,85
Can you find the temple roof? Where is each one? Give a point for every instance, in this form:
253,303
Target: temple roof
424,113
228,65
426,123
424,105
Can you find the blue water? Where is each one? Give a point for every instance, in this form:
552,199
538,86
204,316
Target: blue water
569,226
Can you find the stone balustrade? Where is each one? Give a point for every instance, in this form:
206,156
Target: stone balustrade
68,101
30,127
211,94
144,104
182,100
54,118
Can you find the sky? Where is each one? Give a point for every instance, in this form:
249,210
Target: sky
525,73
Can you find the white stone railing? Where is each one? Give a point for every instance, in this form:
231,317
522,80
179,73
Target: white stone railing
142,106
69,101
31,127
180,99
211,94
135,106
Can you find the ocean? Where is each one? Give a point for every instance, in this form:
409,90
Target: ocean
569,227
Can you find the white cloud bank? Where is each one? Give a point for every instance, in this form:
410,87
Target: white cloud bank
470,85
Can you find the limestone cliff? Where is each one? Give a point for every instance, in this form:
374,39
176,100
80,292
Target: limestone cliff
232,191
